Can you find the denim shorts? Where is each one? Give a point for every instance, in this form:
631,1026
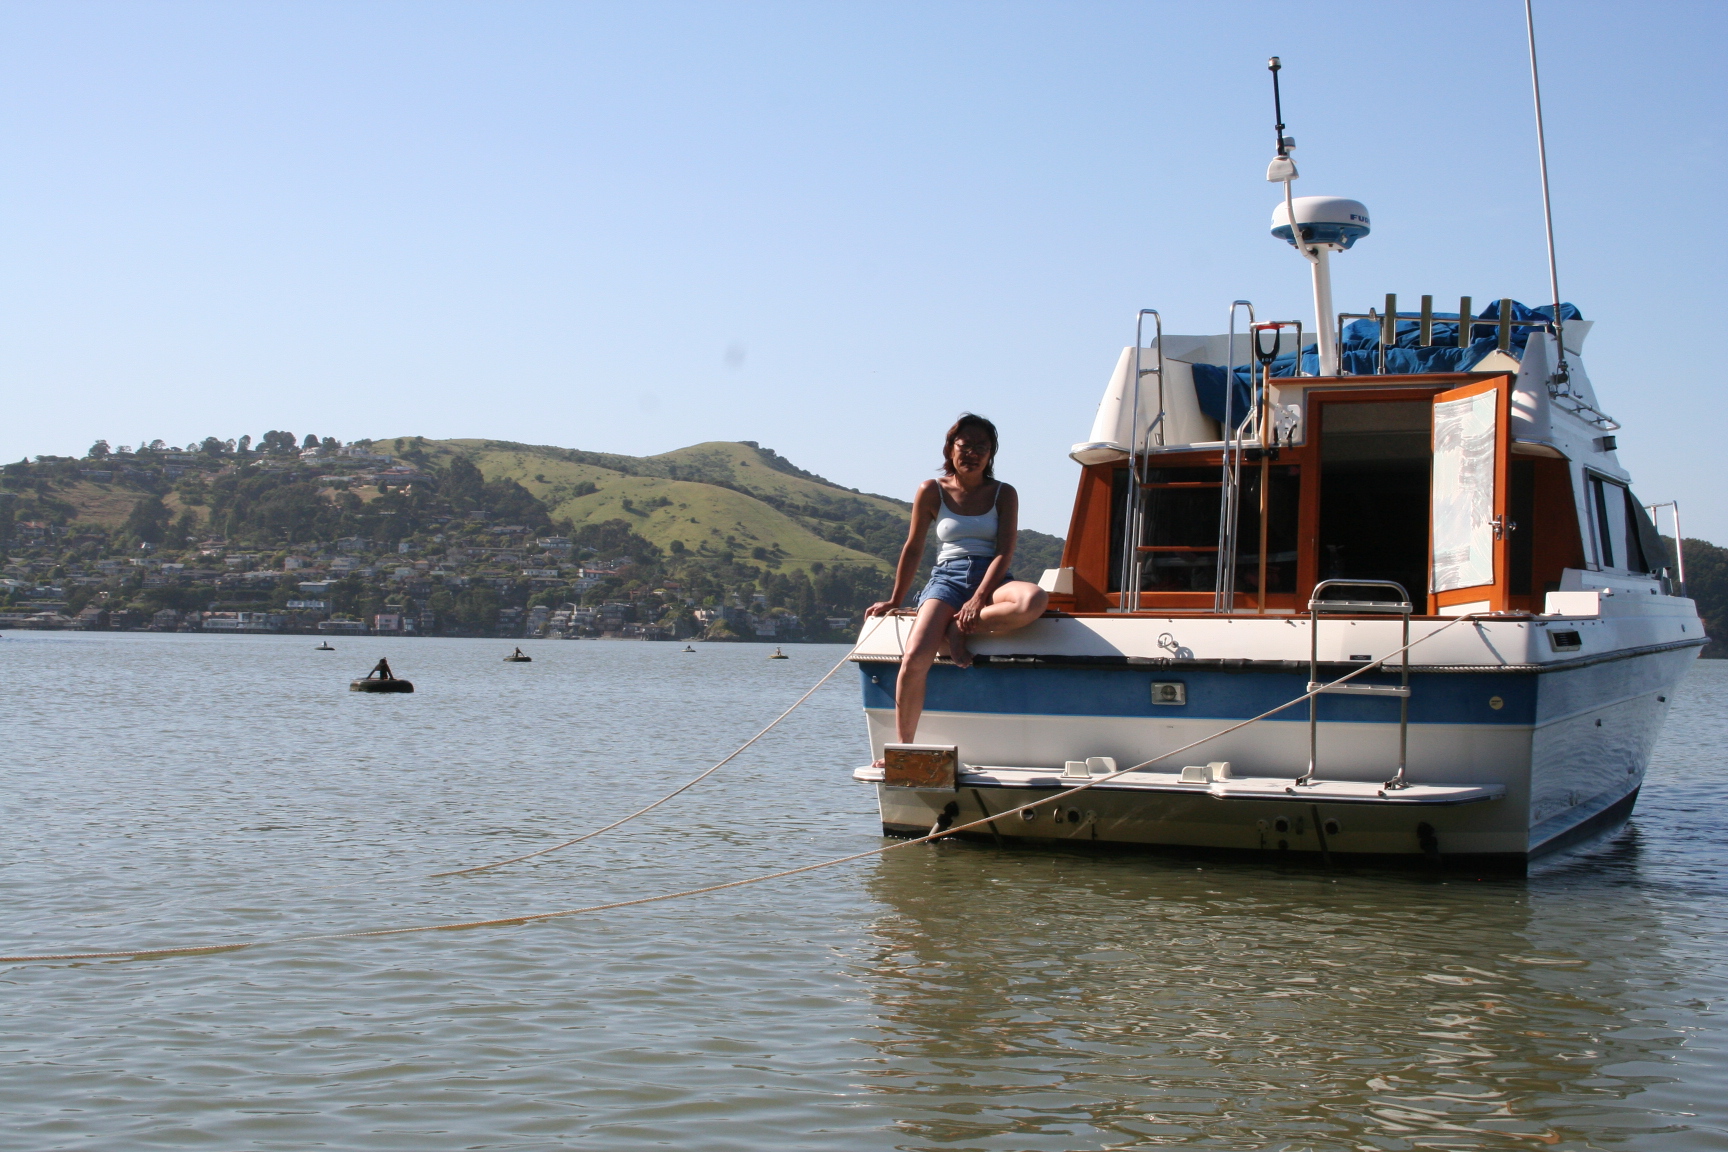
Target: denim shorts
956,581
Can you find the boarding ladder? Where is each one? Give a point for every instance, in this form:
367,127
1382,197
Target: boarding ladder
1399,691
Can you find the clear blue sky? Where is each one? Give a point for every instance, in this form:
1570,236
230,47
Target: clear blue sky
825,227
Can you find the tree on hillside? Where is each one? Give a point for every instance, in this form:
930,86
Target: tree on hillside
274,441
148,521
311,441
613,538
463,485
508,501
98,450
1707,584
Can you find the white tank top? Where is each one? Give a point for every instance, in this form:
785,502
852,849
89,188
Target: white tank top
966,536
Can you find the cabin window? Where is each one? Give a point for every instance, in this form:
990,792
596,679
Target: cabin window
1651,550
1615,525
1283,497
1376,459
1179,530
1625,537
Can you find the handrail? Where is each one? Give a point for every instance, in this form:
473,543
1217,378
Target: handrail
1132,530
1224,581
1679,541
1425,320
1402,607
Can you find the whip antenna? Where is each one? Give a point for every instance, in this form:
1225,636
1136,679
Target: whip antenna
1273,66
1560,373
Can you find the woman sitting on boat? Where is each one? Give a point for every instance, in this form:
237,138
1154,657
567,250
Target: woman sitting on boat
971,589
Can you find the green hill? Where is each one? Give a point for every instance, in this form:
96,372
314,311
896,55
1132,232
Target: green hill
711,497
708,497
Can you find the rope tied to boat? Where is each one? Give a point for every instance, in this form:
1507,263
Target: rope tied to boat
535,917
684,787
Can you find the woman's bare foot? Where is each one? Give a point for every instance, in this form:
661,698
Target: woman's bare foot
879,764
957,650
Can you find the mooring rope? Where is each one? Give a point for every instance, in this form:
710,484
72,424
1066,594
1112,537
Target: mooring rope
533,917
684,787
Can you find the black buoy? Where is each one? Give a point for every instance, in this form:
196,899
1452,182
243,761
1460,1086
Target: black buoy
381,679
518,657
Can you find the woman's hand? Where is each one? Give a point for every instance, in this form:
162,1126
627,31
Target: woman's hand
880,608
967,618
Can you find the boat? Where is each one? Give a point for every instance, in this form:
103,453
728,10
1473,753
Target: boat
324,647
779,655
687,648
380,679
1428,503
518,657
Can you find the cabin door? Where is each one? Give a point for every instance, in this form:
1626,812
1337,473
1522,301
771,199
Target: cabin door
1467,569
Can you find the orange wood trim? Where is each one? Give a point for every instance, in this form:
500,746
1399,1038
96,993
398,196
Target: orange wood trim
1559,543
1087,550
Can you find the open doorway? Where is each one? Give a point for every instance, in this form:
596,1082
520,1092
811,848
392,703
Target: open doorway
1376,460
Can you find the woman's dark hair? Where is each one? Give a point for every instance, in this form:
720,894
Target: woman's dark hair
969,420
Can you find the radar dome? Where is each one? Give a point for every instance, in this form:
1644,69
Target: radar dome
1331,221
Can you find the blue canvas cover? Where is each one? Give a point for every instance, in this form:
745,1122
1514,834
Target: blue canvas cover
1359,355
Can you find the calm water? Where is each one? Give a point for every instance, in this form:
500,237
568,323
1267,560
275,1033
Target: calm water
182,789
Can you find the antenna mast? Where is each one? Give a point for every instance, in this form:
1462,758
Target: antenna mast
1561,373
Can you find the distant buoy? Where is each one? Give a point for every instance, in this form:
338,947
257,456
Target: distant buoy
689,649
518,657
779,655
381,679
324,647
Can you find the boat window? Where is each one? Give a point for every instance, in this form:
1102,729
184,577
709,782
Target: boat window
1179,533
1180,529
1375,462
1614,544
1652,551
1283,492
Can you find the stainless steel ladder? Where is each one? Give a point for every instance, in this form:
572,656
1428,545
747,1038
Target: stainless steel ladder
1399,691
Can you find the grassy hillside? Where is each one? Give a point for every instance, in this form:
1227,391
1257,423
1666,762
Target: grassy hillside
711,496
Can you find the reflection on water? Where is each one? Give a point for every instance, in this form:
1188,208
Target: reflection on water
1052,1002
1037,1000
954,997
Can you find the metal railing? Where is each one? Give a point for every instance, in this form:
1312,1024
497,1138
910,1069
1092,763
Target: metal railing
1231,431
1673,507
1400,691
1132,530
1467,324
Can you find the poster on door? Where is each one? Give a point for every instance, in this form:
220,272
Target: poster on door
1463,497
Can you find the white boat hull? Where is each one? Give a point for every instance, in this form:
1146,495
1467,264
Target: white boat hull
1520,752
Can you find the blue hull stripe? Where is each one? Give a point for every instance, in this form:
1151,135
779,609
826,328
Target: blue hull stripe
1435,698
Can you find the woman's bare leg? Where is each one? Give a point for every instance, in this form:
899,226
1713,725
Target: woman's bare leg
1012,607
928,632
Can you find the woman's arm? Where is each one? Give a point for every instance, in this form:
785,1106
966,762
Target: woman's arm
1007,532
924,505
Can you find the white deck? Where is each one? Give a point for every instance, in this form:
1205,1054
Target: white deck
1281,788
